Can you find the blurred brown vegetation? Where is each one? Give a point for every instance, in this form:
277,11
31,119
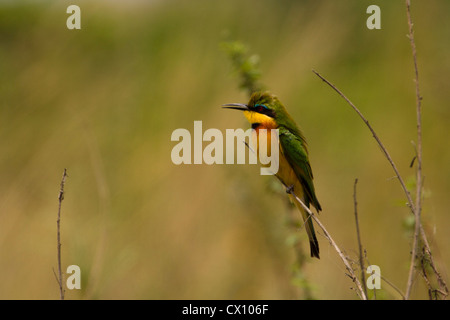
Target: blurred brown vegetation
103,101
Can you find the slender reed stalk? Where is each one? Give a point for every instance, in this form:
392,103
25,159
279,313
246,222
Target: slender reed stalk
58,231
358,235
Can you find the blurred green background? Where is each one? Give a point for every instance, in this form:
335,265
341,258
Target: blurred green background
103,101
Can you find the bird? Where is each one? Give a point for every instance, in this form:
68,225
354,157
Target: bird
265,111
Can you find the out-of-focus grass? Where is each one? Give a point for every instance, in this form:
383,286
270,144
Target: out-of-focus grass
103,101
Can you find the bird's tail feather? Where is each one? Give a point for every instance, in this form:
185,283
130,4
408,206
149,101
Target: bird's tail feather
313,243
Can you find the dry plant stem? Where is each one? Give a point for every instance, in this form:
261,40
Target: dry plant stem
419,180
393,286
425,277
361,258
58,224
344,259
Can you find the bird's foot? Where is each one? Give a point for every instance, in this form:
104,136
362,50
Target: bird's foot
290,189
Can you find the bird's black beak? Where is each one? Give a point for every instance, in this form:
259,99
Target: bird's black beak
236,106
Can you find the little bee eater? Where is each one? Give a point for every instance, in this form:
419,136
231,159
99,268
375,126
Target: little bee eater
265,111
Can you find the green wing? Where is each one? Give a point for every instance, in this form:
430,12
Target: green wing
294,149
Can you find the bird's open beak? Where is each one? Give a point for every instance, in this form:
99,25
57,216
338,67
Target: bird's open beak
236,106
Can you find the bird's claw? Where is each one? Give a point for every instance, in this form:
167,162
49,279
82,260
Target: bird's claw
290,189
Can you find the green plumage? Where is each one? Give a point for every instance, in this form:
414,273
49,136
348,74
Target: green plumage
297,155
265,111
292,141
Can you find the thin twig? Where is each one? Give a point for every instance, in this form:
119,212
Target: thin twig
385,280
443,286
383,148
419,181
351,273
361,258
393,286
58,225
425,278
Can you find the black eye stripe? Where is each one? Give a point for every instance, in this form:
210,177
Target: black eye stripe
261,107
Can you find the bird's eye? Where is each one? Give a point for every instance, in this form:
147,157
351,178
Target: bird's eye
261,107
